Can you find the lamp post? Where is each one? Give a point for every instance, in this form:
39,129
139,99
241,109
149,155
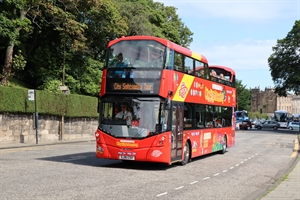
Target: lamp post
297,53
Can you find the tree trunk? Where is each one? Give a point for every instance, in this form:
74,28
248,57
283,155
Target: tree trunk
7,64
7,69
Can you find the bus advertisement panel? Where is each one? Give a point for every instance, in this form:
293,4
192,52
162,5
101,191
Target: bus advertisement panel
162,111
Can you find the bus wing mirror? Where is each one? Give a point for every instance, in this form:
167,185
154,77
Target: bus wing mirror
98,106
167,104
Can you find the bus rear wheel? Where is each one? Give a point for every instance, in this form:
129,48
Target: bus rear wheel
224,145
186,153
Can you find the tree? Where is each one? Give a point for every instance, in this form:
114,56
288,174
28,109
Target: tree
12,21
243,96
284,63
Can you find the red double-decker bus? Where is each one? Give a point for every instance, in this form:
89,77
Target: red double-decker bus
160,103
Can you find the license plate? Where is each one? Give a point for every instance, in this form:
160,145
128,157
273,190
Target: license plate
126,157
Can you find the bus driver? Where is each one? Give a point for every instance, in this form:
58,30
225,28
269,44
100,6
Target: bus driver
125,115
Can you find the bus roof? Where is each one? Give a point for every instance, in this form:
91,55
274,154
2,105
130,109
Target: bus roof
222,67
281,111
165,42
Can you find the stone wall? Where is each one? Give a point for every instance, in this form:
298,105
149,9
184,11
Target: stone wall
19,128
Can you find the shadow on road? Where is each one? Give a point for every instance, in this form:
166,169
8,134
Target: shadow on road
89,159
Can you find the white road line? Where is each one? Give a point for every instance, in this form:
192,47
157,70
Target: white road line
161,194
193,182
179,188
205,178
237,164
245,159
225,170
231,167
216,174
242,162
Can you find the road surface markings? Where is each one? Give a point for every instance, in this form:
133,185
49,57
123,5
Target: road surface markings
206,178
161,194
179,188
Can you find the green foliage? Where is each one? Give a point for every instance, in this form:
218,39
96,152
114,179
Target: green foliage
15,100
284,63
257,115
49,35
19,61
243,96
51,85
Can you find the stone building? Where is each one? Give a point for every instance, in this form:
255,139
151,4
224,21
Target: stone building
268,101
296,105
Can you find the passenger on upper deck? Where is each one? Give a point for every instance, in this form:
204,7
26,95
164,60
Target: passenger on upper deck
201,73
214,73
222,76
119,64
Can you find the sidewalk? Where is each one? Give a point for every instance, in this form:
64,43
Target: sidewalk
289,187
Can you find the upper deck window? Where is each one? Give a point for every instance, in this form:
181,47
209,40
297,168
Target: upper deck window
136,54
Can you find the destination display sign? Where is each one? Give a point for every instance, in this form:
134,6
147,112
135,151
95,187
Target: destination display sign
133,86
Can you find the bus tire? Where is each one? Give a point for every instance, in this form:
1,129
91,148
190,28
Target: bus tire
186,153
224,145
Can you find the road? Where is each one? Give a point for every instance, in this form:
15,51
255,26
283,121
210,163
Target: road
71,171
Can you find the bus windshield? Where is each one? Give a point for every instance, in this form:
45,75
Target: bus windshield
132,117
241,115
281,116
136,54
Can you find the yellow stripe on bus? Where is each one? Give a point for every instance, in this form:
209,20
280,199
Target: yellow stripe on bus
183,88
196,56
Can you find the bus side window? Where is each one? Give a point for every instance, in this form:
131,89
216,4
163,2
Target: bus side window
178,64
188,121
188,65
199,116
169,63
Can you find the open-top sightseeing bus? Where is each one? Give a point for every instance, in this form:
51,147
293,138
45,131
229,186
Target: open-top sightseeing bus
173,111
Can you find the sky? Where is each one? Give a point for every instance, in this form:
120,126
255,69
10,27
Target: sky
238,34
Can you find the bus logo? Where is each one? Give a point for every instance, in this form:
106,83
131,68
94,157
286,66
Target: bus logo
183,90
156,153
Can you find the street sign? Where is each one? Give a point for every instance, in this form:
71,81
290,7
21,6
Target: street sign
31,95
63,87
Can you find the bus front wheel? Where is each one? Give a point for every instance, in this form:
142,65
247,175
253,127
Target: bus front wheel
186,153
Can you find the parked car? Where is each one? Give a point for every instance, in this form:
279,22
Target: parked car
268,124
245,125
294,125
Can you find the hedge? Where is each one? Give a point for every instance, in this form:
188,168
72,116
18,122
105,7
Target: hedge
15,100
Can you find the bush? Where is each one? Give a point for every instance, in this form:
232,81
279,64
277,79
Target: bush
15,100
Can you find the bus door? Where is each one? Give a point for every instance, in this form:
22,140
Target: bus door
177,131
